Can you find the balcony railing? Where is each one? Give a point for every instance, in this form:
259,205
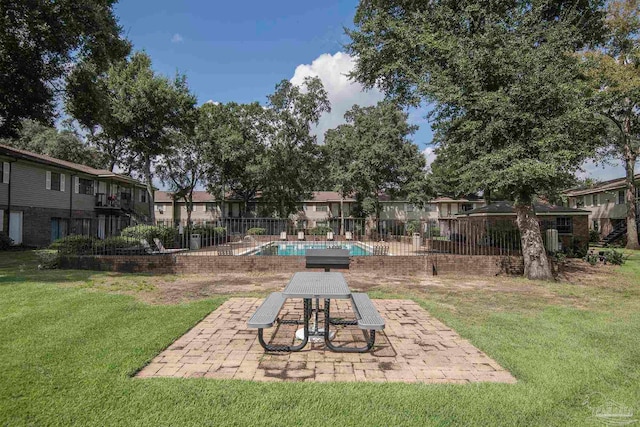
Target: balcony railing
113,201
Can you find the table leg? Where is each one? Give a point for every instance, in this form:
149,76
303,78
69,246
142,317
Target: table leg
370,336
307,316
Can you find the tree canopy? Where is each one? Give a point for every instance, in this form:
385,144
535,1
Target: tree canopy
61,144
39,42
371,155
613,69
510,108
293,159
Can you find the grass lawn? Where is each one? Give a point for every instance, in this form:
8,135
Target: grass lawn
70,344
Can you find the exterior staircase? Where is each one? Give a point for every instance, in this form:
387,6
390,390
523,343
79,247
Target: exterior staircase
618,233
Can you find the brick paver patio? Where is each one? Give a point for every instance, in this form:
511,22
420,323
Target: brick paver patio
414,347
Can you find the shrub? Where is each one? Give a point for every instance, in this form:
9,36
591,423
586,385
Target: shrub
209,230
319,230
594,236
111,244
413,227
5,241
167,235
614,257
48,259
591,258
74,244
256,231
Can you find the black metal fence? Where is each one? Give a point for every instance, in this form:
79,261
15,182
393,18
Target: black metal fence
279,237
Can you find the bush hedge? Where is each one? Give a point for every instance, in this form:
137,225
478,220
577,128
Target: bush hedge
319,230
5,241
256,231
167,235
74,244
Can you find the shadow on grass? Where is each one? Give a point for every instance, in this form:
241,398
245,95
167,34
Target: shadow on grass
22,266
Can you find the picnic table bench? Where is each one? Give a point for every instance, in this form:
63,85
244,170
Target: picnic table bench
308,286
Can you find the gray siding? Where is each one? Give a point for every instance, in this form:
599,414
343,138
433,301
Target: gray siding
28,187
4,193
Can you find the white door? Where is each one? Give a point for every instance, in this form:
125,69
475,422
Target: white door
15,227
102,225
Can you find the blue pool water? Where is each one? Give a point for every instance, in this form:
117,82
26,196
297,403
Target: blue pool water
299,249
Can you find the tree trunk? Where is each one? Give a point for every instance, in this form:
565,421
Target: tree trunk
536,264
147,175
341,215
630,198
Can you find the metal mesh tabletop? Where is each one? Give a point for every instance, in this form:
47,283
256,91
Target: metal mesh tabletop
317,285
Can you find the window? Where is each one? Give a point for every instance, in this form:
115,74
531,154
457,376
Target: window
564,225
143,196
210,207
467,207
55,181
596,199
59,228
621,197
580,202
4,172
85,186
82,226
409,207
322,208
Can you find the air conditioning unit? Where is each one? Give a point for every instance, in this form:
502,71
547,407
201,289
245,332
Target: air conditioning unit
552,241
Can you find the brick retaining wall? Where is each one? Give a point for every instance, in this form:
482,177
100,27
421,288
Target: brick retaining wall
482,265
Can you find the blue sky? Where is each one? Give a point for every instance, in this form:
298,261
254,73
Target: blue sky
238,51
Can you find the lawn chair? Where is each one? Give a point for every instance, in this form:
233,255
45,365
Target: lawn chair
330,235
283,235
300,235
381,250
348,235
163,250
225,251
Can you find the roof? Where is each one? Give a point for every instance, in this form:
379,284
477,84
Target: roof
21,154
612,184
328,196
204,197
506,208
198,197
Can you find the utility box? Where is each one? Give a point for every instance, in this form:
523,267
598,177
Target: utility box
416,240
194,243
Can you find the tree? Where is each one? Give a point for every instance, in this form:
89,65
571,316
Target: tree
236,135
372,155
292,161
61,144
144,111
40,41
184,167
614,70
510,110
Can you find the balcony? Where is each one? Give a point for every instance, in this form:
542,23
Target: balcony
113,202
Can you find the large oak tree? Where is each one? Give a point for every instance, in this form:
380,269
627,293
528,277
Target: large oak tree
40,42
614,71
510,112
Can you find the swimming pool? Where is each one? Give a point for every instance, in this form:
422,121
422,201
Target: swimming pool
299,249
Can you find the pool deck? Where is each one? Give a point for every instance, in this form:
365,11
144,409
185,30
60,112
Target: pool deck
249,248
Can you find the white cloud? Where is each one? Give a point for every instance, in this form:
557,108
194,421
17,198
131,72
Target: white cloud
211,101
177,38
343,93
429,155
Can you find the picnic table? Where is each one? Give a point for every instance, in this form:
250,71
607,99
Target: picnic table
310,286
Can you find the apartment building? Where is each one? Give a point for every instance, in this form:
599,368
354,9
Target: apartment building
605,202
324,208
43,198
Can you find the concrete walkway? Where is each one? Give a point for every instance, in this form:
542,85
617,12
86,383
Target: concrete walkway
414,347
